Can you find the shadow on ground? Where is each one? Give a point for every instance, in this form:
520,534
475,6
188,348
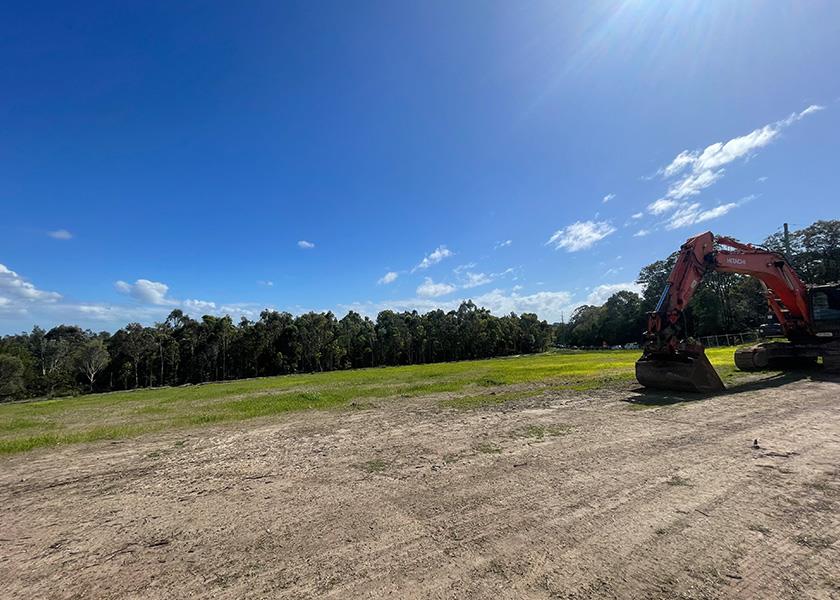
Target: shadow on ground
648,397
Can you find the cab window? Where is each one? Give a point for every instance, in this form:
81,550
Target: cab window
826,305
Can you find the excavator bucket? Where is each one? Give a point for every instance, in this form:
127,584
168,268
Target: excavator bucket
678,372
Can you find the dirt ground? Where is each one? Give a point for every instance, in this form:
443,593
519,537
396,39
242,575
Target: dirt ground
581,495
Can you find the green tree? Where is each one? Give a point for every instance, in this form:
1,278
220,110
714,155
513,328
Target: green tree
11,377
91,357
814,251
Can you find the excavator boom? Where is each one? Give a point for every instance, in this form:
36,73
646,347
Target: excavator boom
671,360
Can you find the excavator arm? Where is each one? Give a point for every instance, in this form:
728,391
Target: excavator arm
671,360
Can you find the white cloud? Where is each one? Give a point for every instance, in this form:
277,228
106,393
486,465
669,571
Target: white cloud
437,255
607,198
465,267
693,184
761,179
389,277
684,159
475,280
149,292
660,206
305,245
637,215
23,305
503,244
199,307
811,109
547,305
265,283
17,294
580,235
700,169
430,289
691,214
60,234
471,279
642,233
601,294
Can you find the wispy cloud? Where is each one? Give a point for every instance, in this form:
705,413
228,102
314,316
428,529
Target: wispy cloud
660,206
434,257
580,235
60,234
699,169
637,215
693,184
468,279
607,198
305,245
475,280
503,244
389,277
642,233
265,283
430,289
692,213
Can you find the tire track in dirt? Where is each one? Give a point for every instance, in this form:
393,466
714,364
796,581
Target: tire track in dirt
629,503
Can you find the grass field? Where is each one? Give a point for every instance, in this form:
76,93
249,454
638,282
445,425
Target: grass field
41,423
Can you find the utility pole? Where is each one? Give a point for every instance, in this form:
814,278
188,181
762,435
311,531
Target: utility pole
787,239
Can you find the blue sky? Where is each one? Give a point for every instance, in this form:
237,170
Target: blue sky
226,157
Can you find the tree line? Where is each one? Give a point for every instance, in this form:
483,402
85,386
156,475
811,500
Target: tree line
182,350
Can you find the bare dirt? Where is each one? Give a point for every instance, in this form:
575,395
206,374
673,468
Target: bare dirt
563,496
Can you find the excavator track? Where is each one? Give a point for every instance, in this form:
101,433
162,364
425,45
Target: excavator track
777,355
754,358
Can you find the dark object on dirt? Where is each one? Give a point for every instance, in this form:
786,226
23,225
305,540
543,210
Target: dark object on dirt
687,372
755,444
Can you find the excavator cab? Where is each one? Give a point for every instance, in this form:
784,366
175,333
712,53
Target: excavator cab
825,309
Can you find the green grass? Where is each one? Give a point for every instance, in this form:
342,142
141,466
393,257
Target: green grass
678,481
538,432
375,466
43,423
488,448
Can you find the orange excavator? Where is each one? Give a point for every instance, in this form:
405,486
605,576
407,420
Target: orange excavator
809,317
